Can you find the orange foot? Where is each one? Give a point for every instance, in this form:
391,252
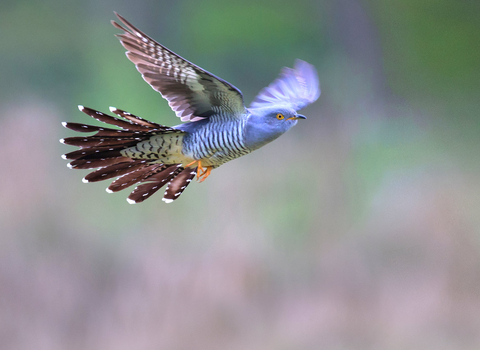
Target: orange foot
202,173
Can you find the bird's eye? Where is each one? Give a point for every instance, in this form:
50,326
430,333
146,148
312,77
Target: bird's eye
280,116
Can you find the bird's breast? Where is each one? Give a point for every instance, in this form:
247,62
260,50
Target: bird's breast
216,142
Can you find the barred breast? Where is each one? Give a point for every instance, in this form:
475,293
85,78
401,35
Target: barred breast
217,142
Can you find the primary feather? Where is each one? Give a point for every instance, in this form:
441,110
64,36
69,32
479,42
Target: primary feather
192,92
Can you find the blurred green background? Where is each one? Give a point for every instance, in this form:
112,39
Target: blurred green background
358,229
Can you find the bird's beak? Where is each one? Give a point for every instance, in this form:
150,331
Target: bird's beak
298,116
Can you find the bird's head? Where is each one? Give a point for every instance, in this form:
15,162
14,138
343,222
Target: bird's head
266,124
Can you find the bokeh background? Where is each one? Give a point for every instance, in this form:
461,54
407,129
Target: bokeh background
358,229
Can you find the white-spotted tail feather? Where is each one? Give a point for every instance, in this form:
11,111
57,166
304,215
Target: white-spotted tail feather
103,150
178,184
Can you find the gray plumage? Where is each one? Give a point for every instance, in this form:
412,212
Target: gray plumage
220,128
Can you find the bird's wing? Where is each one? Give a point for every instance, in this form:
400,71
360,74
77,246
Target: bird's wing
192,92
295,88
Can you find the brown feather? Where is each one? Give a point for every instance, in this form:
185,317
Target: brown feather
179,183
100,131
81,127
105,118
175,77
103,150
136,176
95,153
114,170
138,120
96,163
97,141
155,182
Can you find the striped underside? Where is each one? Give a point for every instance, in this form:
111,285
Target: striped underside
217,142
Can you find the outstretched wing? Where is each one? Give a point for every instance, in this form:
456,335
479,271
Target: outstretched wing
295,88
192,92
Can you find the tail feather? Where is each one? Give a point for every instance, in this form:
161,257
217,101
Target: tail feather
97,152
138,120
100,131
96,163
105,118
136,176
82,127
103,150
114,170
96,141
153,184
178,184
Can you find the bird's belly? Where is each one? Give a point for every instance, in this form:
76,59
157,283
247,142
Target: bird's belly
164,148
222,156
216,157
216,142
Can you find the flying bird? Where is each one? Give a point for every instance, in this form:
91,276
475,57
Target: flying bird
218,127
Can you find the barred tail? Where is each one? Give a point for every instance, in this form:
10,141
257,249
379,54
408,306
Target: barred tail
103,151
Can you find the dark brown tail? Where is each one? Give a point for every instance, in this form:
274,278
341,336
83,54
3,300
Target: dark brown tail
103,150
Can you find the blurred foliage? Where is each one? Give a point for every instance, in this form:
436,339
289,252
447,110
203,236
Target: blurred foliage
430,46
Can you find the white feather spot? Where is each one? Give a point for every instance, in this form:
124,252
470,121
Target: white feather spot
64,156
108,190
81,108
64,124
166,200
84,180
112,109
62,140
131,201
70,166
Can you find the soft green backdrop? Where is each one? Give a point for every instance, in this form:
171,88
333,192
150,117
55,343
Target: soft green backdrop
359,229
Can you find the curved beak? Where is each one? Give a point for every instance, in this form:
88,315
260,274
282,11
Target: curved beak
298,116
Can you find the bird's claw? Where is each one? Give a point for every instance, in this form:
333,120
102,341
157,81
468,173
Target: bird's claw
202,173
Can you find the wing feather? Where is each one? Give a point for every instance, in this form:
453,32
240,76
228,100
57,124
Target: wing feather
192,92
295,88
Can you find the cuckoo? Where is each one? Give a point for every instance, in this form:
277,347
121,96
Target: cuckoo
218,127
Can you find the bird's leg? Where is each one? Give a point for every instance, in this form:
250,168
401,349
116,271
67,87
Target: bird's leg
202,173
205,174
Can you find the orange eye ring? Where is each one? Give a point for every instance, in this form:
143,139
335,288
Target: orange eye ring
280,116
